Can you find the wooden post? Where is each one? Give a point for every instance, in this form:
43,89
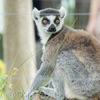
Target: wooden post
19,43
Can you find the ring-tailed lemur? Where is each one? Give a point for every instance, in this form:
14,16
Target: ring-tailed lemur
72,64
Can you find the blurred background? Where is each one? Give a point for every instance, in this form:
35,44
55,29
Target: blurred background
75,8
20,45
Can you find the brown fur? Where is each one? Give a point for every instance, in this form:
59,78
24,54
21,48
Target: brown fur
80,43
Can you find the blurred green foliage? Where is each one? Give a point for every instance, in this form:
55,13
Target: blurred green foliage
1,47
69,5
2,72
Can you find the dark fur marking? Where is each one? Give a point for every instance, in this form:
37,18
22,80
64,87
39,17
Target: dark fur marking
53,35
48,22
57,18
48,12
86,41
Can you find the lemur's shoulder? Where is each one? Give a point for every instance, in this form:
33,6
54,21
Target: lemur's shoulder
81,38
78,41
72,37
85,47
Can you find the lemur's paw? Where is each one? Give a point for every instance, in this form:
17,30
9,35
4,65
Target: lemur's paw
26,96
45,90
48,91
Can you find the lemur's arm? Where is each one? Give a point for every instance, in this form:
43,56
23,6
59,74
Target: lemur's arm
69,74
40,79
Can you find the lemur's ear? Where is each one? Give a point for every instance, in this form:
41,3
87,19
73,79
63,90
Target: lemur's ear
63,12
35,14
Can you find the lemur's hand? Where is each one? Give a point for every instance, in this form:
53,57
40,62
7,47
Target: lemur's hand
29,96
26,96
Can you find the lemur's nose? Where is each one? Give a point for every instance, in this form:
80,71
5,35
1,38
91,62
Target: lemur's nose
52,28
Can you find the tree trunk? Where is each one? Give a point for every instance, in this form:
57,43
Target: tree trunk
18,43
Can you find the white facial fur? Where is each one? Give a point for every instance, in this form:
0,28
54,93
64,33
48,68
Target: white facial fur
44,34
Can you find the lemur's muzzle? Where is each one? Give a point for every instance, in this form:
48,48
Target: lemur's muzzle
52,28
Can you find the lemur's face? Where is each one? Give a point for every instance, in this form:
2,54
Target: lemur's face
49,20
50,24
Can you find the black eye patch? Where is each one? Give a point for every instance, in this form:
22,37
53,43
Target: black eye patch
56,21
45,21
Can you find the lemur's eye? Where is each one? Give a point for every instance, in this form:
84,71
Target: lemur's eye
57,21
44,21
